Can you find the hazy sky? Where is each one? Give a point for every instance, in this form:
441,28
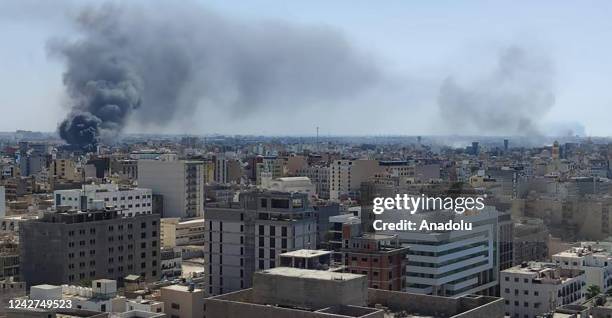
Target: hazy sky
416,45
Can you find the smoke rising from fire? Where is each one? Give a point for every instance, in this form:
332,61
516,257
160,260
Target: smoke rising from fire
511,100
155,66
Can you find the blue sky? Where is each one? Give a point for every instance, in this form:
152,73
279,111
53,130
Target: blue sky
421,42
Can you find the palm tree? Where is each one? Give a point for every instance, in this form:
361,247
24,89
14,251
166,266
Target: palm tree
592,291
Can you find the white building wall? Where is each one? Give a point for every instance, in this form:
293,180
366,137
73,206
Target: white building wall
130,202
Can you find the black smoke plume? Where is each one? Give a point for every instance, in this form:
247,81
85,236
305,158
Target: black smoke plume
509,101
158,65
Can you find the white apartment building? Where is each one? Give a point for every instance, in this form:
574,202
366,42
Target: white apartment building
248,236
174,232
101,296
535,288
180,182
346,176
130,201
450,263
594,259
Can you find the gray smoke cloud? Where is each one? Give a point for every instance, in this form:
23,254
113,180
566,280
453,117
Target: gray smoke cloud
509,101
156,65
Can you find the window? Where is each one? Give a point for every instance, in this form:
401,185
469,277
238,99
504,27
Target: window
279,203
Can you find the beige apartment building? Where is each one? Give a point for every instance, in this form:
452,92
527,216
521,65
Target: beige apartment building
346,176
177,232
180,182
182,301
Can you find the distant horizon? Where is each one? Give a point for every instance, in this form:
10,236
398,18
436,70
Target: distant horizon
321,135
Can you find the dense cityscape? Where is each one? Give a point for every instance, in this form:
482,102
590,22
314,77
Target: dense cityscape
305,159
246,226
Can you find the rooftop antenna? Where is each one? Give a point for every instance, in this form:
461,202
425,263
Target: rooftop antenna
318,151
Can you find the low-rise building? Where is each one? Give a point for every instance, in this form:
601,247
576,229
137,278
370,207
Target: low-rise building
144,305
183,301
10,289
595,261
378,256
310,259
101,296
292,292
171,262
531,289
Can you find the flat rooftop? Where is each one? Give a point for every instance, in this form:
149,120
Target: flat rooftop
309,274
181,288
193,221
304,253
47,286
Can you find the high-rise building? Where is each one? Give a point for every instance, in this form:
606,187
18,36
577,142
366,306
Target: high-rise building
450,263
180,182
73,246
248,236
2,201
346,176
128,201
221,169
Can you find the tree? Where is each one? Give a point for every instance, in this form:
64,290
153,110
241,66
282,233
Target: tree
592,291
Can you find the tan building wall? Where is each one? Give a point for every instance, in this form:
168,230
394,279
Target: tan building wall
179,302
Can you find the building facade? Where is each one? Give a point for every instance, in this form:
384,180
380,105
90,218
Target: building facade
128,201
180,182
531,289
249,235
73,246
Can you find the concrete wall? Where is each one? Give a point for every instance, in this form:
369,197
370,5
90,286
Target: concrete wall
218,308
307,292
463,307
